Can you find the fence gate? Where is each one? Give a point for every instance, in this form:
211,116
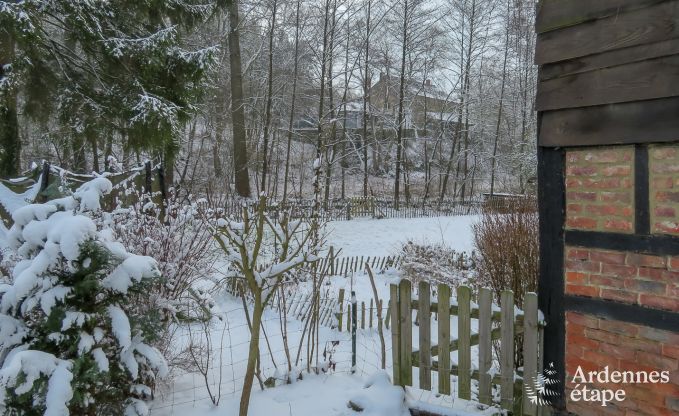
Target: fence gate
495,325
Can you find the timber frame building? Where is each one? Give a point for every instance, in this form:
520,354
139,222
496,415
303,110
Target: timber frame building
608,165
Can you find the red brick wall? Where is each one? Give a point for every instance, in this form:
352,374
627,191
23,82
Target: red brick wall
663,163
599,189
594,343
651,281
600,197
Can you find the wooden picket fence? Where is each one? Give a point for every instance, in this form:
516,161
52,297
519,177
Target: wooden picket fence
366,314
342,266
372,207
298,305
494,324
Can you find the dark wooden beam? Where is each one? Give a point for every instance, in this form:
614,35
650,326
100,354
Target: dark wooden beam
655,23
644,80
625,123
661,245
635,314
609,59
557,14
551,206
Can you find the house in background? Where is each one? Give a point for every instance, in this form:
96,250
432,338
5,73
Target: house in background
428,109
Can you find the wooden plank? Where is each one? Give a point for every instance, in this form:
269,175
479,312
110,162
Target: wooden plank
485,345
406,338
424,345
475,375
496,315
387,319
444,337
646,80
362,315
556,14
608,59
551,197
507,350
648,25
530,349
464,354
395,334
341,309
349,318
626,123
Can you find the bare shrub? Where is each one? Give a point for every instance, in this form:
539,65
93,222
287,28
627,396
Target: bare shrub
507,244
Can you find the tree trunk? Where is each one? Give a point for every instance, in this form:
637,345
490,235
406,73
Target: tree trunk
78,148
330,150
240,151
108,153
401,115
366,101
95,152
10,144
292,105
499,113
253,354
269,99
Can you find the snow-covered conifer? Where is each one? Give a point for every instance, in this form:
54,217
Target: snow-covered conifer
70,341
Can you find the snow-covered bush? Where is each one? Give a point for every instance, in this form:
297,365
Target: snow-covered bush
438,263
179,238
70,340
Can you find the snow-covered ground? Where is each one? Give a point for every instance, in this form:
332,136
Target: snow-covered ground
368,237
328,393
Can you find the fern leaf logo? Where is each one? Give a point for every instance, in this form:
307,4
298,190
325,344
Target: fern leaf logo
538,389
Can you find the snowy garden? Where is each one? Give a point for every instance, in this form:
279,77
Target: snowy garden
268,207
158,302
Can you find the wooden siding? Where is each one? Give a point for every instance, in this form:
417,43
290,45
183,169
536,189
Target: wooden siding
609,72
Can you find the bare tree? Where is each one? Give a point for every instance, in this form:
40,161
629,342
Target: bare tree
240,151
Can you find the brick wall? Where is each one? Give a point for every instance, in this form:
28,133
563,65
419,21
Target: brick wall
651,281
599,189
663,164
600,197
594,343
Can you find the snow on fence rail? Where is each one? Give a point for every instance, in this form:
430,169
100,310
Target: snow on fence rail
502,324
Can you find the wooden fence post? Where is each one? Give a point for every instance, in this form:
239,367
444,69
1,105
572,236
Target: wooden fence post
485,345
507,350
331,258
395,335
444,338
406,335
424,305
44,181
353,331
464,354
341,309
530,349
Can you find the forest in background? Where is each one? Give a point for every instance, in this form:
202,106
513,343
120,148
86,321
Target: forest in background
341,98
